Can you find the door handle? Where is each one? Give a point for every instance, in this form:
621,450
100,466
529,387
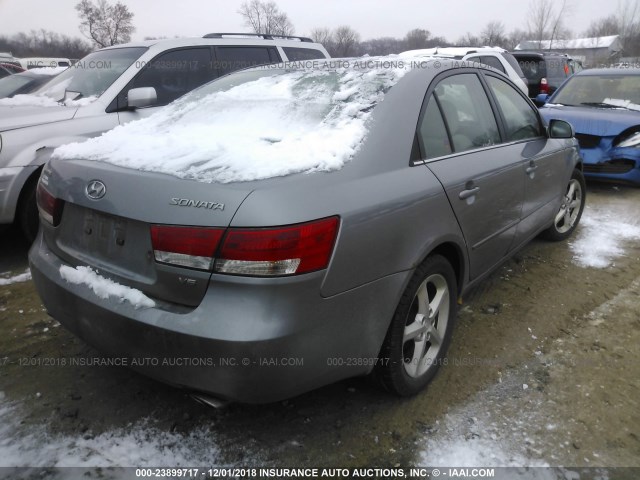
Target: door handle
531,168
463,195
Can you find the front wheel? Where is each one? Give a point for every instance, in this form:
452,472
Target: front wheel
27,215
568,216
420,331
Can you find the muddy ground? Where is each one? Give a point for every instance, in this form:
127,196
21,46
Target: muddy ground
544,369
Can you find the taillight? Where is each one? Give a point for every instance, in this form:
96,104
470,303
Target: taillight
288,250
192,247
50,207
544,86
261,252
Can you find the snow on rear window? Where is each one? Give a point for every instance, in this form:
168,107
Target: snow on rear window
249,126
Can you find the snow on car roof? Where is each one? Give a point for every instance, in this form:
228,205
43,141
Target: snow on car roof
252,125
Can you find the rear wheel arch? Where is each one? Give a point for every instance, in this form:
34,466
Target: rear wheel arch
453,254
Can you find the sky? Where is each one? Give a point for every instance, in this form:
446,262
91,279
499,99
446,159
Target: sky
371,18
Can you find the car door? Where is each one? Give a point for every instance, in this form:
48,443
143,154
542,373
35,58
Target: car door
541,159
172,74
460,142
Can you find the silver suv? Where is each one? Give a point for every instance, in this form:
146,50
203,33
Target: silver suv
495,57
111,87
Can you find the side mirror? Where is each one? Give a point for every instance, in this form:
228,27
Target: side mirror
560,129
142,97
541,99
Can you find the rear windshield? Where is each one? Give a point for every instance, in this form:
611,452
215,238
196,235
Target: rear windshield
532,67
251,125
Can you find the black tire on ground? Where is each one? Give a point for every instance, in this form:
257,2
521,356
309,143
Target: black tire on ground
421,329
570,212
27,216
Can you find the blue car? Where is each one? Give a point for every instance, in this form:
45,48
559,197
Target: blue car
603,105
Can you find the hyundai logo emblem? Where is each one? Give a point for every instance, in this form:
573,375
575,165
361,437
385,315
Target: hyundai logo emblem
95,190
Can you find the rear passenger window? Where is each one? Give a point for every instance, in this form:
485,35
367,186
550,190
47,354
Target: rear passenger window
493,62
175,73
299,54
467,112
521,121
434,140
230,59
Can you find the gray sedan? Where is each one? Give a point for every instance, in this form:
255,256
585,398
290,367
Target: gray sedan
281,229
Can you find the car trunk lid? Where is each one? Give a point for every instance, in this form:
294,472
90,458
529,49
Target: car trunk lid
108,216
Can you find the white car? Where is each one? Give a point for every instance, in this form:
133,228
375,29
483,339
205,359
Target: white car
495,57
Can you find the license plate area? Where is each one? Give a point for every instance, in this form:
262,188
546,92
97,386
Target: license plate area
108,242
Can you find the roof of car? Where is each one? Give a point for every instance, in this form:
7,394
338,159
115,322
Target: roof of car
222,39
453,51
610,71
530,53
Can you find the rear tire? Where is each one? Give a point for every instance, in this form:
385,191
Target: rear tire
570,212
27,216
421,328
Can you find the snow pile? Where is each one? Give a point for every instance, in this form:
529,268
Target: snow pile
274,124
467,441
140,445
23,277
28,100
601,237
105,288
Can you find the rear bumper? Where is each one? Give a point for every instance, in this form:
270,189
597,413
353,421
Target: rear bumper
250,340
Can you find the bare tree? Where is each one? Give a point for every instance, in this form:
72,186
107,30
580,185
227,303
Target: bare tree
514,38
105,24
381,46
468,40
546,20
417,38
347,40
321,35
603,27
539,19
43,43
266,18
494,34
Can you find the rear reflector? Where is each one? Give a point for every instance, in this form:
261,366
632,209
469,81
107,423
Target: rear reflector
192,247
295,249
50,207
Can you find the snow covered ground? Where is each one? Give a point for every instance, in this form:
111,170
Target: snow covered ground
602,235
22,277
142,444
